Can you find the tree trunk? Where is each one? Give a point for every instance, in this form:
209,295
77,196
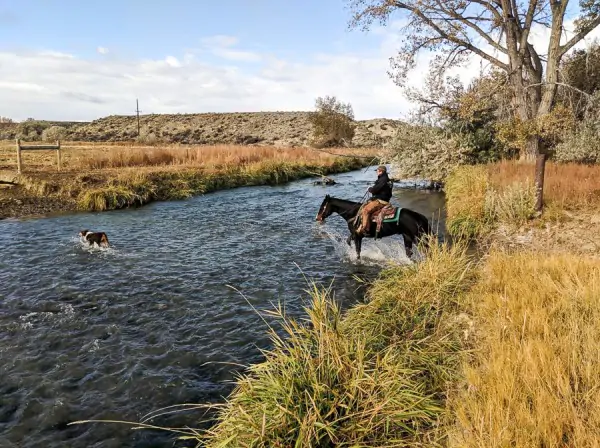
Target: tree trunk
532,149
540,168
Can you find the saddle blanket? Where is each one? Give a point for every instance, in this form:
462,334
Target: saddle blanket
388,213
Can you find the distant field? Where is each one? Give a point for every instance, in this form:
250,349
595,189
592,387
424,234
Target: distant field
84,156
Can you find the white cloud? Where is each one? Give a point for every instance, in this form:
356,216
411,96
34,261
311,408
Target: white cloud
172,61
55,85
102,50
52,85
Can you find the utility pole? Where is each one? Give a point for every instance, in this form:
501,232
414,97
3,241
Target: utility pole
137,110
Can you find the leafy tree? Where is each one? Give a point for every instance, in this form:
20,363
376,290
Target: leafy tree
54,133
580,80
498,31
333,122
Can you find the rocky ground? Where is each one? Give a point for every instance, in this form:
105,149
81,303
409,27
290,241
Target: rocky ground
259,128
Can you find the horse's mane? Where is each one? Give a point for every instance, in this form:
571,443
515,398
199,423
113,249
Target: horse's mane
331,198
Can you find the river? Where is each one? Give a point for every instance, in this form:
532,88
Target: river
159,318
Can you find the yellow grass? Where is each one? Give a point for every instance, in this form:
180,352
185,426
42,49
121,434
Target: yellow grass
567,185
105,177
534,378
78,156
481,196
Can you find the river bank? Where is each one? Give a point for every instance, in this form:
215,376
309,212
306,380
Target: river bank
455,351
98,177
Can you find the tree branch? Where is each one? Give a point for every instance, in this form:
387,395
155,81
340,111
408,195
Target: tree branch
469,46
527,26
487,5
584,31
562,84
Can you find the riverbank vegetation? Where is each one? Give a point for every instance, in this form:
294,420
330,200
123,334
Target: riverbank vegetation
104,177
480,198
377,375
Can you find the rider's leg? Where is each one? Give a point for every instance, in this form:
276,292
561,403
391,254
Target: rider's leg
366,211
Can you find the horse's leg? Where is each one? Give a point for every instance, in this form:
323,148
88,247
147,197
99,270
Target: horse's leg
408,245
358,245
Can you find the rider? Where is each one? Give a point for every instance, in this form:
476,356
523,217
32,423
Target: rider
381,193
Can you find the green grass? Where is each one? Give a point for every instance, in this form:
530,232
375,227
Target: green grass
375,377
132,187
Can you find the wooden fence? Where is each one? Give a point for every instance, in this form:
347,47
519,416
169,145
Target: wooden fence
21,147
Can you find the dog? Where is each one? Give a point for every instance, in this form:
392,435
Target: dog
98,238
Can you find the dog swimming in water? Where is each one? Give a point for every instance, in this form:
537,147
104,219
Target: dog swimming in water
90,237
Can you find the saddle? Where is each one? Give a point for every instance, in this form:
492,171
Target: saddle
389,213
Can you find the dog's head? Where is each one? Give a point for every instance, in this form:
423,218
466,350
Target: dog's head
83,232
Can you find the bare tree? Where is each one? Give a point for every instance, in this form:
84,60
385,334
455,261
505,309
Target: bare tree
498,31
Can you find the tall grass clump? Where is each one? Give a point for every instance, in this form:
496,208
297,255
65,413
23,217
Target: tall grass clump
477,201
513,204
468,210
376,377
416,312
533,379
125,190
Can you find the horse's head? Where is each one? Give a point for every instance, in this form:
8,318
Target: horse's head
325,209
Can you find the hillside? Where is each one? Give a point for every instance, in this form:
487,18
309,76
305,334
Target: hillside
261,128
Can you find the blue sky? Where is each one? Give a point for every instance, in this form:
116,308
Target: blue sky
152,29
81,60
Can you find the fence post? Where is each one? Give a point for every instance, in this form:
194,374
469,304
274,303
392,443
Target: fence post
19,156
58,154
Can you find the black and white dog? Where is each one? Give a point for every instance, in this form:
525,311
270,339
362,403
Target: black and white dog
90,237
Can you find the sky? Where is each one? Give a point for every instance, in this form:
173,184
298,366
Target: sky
77,60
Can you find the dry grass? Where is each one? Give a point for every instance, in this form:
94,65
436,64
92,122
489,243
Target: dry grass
567,185
467,189
533,380
77,156
481,196
101,177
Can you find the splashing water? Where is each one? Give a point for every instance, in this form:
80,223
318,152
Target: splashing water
374,252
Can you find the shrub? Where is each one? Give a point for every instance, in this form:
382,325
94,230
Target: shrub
333,122
581,147
422,151
147,137
54,133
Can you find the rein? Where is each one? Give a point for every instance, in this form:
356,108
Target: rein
349,210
